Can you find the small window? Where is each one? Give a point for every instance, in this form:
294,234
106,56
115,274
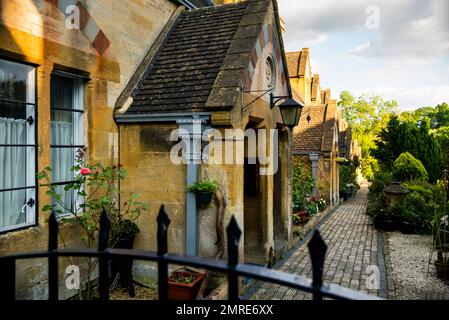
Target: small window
17,146
67,133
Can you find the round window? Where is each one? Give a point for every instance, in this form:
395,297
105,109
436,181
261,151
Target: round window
270,74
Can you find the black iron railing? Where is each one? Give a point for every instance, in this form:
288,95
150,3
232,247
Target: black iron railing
232,267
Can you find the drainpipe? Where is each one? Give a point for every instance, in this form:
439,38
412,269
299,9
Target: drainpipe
314,159
193,160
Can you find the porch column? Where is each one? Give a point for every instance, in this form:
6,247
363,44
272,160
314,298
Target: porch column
314,159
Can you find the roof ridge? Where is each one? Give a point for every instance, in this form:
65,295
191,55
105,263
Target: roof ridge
215,7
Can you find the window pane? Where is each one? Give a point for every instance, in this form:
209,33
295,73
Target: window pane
61,128
11,205
62,160
13,131
12,167
66,199
13,81
62,90
12,110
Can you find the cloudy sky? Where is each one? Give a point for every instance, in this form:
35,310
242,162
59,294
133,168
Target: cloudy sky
396,48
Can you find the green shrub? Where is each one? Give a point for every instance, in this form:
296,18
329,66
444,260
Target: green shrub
406,168
348,175
377,202
420,205
302,188
379,182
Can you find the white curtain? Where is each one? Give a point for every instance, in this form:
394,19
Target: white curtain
12,172
62,159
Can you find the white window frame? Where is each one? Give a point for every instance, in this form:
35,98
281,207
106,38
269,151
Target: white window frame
31,142
78,125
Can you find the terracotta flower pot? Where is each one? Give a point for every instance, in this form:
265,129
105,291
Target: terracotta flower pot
184,291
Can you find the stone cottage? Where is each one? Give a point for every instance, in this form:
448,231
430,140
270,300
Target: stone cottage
213,68
315,140
118,77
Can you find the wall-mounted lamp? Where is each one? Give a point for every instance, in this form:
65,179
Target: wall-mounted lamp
290,109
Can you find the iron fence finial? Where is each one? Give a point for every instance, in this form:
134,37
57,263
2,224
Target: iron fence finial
234,233
163,222
53,226
105,226
317,250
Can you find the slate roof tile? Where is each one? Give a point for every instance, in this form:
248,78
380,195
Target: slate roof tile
182,75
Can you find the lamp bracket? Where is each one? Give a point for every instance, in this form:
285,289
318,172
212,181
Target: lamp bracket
275,99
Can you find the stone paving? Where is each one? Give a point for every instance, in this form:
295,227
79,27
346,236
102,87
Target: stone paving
352,246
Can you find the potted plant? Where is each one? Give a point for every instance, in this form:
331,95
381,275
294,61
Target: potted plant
184,284
122,237
203,191
441,237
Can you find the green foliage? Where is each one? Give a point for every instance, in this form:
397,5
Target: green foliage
311,208
348,176
377,203
406,168
402,136
438,116
126,229
366,115
204,186
442,135
343,161
302,187
369,166
420,205
96,189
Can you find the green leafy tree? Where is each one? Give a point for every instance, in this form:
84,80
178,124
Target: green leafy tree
366,115
442,135
406,168
438,116
405,136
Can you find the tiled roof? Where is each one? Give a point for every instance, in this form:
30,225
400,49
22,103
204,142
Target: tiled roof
183,73
307,136
318,135
293,63
330,130
297,62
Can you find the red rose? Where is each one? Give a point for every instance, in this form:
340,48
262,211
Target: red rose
85,171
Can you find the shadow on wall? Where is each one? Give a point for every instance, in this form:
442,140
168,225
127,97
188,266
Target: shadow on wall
34,47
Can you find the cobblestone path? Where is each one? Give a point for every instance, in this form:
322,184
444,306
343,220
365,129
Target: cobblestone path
352,246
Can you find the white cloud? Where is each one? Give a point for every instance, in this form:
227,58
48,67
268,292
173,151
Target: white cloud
408,28
317,66
406,59
415,97
410,32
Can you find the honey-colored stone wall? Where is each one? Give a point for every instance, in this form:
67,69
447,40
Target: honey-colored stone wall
33,31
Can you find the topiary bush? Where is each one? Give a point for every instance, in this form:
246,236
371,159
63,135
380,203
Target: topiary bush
406,168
